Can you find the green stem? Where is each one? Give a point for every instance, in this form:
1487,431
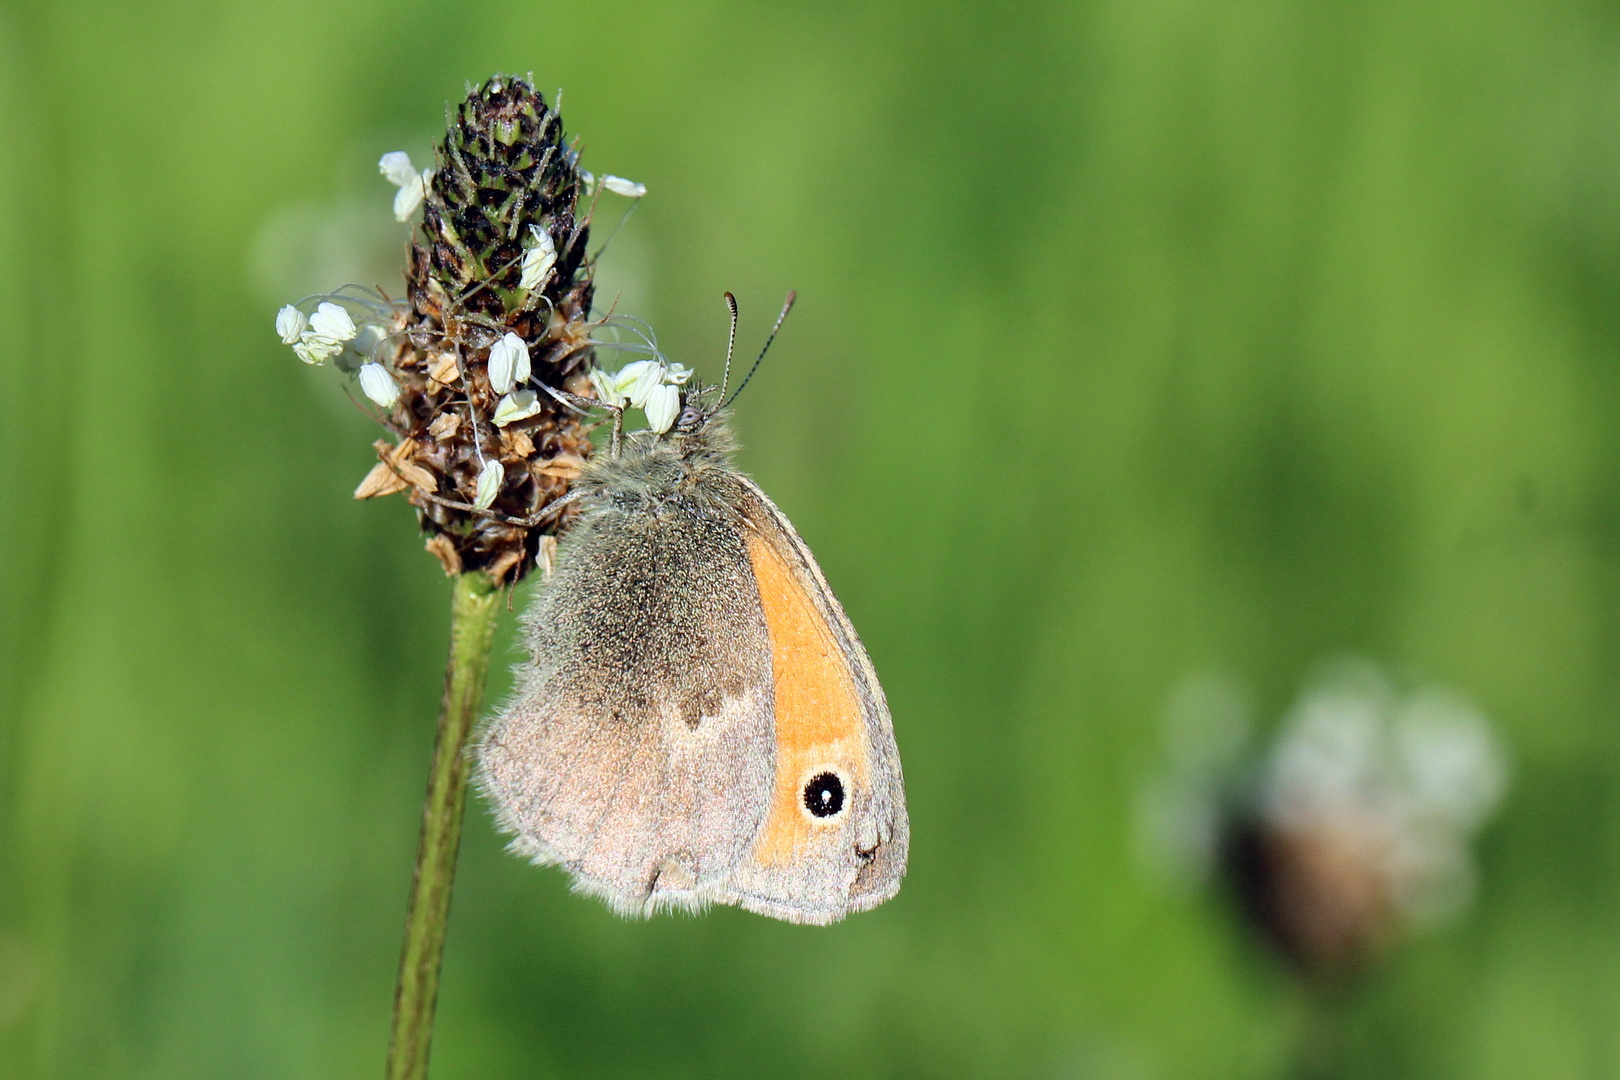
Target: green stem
475,603
1319,1041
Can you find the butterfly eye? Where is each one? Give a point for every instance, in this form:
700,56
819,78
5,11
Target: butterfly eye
691,418
824,795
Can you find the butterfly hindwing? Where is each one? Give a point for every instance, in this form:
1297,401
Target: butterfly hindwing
636,752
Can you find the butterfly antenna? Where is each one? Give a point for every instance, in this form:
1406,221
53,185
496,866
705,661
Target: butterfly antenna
731,343
787,306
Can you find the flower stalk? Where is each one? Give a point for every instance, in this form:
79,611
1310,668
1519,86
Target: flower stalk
474,605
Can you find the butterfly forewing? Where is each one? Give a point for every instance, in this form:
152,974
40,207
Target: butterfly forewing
835,838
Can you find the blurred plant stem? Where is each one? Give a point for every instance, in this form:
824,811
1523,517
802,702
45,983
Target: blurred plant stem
473,608
1319,1042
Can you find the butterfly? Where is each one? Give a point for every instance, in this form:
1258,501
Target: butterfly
697,721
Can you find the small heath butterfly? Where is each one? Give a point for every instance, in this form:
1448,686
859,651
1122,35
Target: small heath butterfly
697,721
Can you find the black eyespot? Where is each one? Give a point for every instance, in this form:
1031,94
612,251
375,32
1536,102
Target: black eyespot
824,795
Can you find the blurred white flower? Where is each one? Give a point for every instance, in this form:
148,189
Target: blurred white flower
490,478
538,259
396,167
1354,822
620,186
363,348
1179,813
378,385
519,405
1449,758
508,363
290,324
370,336
1416,774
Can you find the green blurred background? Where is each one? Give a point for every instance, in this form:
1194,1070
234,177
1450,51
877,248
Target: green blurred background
1135,337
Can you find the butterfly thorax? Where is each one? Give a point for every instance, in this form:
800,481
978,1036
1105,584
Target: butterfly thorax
656,469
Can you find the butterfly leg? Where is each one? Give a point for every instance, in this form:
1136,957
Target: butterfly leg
534,520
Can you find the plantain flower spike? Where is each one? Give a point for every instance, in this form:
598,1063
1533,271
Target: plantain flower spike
498,292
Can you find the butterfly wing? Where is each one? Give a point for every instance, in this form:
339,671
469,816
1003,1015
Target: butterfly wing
836,834
637,751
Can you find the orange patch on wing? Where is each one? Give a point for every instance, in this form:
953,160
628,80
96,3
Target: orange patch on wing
818,715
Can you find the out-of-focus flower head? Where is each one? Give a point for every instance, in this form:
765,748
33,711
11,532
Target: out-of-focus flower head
1350,827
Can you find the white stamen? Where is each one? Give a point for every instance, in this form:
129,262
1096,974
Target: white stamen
412,185
620,186
508,363
378,385
538,259
408,198
397,168
518,405
331,325
315,352
607,387
490,479
638,379
663,404
290,323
